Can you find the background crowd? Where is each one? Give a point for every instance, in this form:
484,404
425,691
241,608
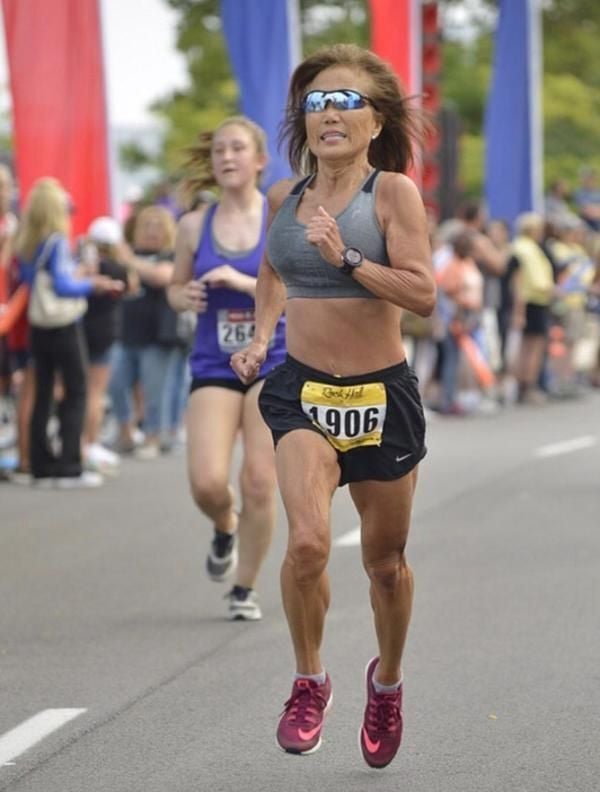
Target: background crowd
517,322
518,311
117,377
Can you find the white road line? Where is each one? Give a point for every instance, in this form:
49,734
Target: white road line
349,539
566,447
18,740
352,538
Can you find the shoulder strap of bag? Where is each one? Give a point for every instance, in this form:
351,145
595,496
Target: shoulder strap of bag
45,252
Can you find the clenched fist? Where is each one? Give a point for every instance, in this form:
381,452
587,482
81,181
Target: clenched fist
247,362
322,230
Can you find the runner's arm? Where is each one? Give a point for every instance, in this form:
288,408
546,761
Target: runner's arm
409,281
269,301
184,292
270,290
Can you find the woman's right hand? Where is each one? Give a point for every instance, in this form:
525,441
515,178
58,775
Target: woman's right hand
247,362
104,285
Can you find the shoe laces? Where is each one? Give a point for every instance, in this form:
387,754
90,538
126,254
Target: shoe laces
383,715
305,704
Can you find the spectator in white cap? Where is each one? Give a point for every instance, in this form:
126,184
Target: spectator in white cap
104,253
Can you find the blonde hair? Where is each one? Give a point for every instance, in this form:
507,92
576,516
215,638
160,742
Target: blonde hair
46,212
164,218
528,223
198,162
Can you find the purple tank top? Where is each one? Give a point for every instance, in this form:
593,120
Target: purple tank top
228,323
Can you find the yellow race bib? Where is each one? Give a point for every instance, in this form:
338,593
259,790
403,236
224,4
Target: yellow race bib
351,416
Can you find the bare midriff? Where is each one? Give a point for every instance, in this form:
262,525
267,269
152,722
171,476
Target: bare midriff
345,336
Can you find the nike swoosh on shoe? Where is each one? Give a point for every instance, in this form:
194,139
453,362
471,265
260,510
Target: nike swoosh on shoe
372,747
308,735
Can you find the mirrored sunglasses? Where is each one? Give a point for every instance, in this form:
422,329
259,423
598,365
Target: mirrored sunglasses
340,99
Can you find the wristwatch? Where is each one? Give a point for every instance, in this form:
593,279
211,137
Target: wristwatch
352,258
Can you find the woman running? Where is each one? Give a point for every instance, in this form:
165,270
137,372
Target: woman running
348,248
218,251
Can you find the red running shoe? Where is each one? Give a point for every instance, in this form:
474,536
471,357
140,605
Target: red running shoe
381,732
299,730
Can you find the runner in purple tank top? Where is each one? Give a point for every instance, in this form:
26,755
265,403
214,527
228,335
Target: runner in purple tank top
218,253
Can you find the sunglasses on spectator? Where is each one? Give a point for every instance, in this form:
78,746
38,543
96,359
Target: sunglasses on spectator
340,99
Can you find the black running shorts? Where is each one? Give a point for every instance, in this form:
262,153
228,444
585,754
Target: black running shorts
374,421
229,383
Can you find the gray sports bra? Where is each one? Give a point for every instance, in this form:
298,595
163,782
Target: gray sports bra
299,264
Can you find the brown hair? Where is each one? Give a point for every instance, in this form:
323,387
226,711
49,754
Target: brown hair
462,244
402,123
198,163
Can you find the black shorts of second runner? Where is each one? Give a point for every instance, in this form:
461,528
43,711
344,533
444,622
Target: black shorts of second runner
374,421
222,382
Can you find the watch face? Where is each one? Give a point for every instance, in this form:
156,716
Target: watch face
353,256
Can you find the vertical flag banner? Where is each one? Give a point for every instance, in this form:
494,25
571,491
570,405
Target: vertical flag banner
58,98
513,127
396,36
263,41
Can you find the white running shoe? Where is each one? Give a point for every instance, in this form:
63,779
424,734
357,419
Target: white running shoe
101,459
147,452
137,436
243,604
42,483
222,558
21,477
86,480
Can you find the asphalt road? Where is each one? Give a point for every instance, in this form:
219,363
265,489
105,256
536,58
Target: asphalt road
105,608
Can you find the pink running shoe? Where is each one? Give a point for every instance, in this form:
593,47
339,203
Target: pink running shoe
299,730
381,732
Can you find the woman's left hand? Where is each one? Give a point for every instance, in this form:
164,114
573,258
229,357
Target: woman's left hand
225,277
322,230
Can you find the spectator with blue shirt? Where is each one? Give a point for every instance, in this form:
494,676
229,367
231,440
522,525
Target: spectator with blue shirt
60,350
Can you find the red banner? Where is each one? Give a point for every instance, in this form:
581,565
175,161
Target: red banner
58,97
396,37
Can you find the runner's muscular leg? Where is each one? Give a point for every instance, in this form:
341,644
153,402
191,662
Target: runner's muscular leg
385,509
308,474
213,419
257,484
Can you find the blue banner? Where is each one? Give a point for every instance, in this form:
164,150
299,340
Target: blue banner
261,37
513,134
